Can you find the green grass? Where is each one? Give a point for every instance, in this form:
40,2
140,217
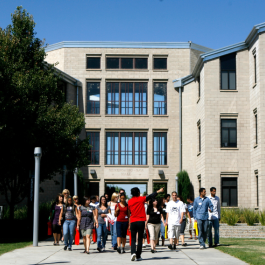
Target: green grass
7,245
250,250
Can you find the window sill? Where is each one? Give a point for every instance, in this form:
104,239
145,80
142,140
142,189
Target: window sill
122,115
130,70
229,148
93,69
94,165
162,70
158,166
228,90
254,85
255,146
199,154
160,115
198,100
93,115
126,165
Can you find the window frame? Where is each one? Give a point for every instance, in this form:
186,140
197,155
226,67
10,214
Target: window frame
91,56
126,57
230,187
87,82
165,102
166,152
256,128
199,135
120,151
228,133
94,151
160,69
228,76
257,189
255,67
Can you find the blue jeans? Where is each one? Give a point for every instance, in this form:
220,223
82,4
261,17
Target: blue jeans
213,224
203,229
162,231
101,233
113,232
68,232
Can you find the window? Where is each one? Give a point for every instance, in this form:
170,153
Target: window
126,63
93,98
199,87
228,72
255,69
228,133
160,63
199,136
160,98
256,128
160,148
94,150
229,191
257,185
93,62
126,98
126,148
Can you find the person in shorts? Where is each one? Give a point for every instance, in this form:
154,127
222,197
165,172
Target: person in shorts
175,211
190,225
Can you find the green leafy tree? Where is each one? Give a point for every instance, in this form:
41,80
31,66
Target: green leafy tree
158,186
184,184
33,112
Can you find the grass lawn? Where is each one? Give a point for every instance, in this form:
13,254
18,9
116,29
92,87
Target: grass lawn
250,250
6,246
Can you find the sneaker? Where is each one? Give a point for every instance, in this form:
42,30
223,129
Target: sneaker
123,250
202,247
139,259
133,257
170,246
184,245
119,250
65,248
115,248
143,246
92,242
69,249
103,249
210,246
152,251
217,245
99,249
175,247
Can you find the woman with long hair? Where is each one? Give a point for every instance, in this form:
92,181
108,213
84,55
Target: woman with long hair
102,232
183,224
154,217
69,211
66,194
77,204
54,216
123,215
113,231
88,215
161,203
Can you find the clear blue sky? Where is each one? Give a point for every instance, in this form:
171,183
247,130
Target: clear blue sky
212,23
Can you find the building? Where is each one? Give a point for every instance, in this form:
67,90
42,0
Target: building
153,109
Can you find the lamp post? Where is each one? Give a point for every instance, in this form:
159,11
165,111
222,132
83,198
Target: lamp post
75,182
37,155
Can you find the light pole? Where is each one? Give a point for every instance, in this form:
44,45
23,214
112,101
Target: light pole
37,155
75,182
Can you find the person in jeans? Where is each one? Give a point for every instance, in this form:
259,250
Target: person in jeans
102,232
161,203
137,220
214,218
200,213
70,211
191,219
154,217
175,213
113,231
123,215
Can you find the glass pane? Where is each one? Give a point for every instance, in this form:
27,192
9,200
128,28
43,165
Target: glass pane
233,195
228,123
112,148
228,62
232,80
113,63
224,80
232,137
127,98
127,63
160,148
140,99
140,63
93,63
225,196
224,138
126,148
160,63
140,148
113,100
93,98
229,182
160,98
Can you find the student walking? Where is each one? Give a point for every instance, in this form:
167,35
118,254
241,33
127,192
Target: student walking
69,210
113,231
123,215
191,219
167,198
214,218
137,220
161,203
54,216
77,204
200,212
102,212
88,214
154,217
175,212
183,224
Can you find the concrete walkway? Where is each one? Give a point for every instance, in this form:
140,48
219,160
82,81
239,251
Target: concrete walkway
47,254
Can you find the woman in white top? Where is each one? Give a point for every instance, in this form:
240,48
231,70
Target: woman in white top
113,231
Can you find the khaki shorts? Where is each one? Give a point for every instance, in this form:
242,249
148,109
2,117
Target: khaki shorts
190,224
153,231
86,232
173,231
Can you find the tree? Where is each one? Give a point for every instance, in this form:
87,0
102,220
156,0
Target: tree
33,112
184,184
158,186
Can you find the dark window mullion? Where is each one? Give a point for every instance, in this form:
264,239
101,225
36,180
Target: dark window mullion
133,97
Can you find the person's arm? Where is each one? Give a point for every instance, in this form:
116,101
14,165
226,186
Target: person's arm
147,219
117,209
162,218
77,214
129,218
210,205
167,220
188,214
181,218
154,194
95,217
219,208
194,210
60,216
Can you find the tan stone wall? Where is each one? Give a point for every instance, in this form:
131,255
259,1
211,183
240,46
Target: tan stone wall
56,57
194,56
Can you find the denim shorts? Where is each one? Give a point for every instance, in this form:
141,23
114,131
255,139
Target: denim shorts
121,228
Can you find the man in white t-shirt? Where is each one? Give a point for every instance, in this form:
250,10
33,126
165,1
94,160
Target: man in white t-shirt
175,211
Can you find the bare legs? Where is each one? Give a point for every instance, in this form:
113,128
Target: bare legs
87,241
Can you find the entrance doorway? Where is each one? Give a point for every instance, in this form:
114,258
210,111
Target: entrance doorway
115,187
92,188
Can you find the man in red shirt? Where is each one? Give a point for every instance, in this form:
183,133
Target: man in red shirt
137,219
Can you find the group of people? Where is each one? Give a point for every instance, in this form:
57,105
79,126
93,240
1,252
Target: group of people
138,216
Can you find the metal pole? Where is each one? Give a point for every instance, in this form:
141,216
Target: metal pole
180,128
75,182
37,155
64,173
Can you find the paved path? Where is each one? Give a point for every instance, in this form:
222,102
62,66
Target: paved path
47,254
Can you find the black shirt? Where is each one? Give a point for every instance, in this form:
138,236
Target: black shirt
154,217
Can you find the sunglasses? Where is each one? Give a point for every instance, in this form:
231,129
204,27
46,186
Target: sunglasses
76,199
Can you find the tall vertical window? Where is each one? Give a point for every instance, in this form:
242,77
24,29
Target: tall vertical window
94,150
93,98
93,62
228,133
228,71
229,191
126,98
255,68
160,63
126,148
257,185
160,98
256,128
160,148
199,86
199,136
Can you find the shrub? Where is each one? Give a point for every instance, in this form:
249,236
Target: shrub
250,216
230,216
184,184
262,217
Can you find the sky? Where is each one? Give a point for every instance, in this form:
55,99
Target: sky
211,23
